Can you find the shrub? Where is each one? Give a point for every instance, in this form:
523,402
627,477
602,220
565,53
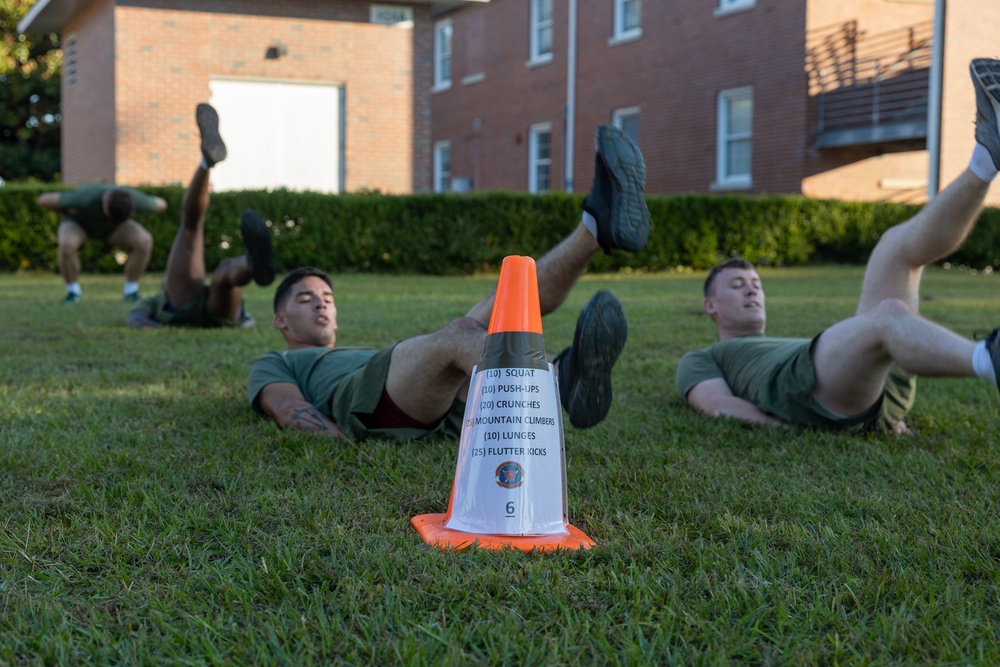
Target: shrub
465,233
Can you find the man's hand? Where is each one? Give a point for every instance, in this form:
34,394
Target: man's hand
140,319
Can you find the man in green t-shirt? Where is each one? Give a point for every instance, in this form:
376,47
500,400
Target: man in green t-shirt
859,373
102,212
185,299
417,388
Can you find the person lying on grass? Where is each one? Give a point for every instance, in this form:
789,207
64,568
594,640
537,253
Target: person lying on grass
417,388
185,299
858,374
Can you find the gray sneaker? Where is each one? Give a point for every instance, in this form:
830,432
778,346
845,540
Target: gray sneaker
212,147
986,80
616,198
585,368
257,240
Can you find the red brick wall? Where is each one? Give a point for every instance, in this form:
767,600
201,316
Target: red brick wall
674,73
88,105
167,52
487,122
675,90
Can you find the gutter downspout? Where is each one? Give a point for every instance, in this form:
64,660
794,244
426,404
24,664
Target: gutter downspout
934,102
570,111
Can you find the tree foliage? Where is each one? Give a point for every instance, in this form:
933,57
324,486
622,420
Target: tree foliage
29,98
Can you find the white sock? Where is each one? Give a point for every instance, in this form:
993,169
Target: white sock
982,163
204,163
982,364
73,288
130,288
589,222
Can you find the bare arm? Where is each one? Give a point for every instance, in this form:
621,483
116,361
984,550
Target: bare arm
161,205
284,403
49,200
715,399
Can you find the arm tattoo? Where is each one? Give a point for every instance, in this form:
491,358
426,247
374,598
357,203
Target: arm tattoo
308,419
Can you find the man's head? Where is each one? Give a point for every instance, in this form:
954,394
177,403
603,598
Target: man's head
304,310
118,205
734,299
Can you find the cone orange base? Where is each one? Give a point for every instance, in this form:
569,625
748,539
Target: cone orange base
431,527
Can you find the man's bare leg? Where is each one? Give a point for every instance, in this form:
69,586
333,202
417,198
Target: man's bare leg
70,237
184,277
427,373
139,242
887,327
225,294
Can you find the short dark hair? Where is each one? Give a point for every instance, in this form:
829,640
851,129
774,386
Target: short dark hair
731,263
281,293
120,205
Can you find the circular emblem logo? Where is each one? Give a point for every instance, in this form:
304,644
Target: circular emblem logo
509,475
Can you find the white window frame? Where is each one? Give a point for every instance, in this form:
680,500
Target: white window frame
442,54
535,28
442,176
534,161
619,32
734,6
618,117
724,180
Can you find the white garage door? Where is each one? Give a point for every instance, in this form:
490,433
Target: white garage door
278,135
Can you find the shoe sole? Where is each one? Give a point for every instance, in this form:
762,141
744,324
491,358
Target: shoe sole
212,146
986,78
600,336
626,170
257,240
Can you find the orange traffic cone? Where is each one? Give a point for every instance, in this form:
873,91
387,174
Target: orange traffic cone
510,481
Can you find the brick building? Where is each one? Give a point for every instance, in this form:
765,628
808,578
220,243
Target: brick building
313,94
828,99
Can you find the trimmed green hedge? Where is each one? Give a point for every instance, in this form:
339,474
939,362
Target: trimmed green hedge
462,234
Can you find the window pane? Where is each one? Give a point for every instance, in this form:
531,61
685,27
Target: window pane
544,146
543,177
740,115
544,10
545,41
630,126
738,158
631,14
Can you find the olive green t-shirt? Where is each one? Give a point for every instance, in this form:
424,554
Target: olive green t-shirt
777,375
345,384
83,206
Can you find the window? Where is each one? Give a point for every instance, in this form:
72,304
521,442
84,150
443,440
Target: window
442,55
69,59
732,6
628,19
627,120
541,31
735,138
539,157
442,166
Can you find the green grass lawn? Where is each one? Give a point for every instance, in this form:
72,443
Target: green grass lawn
148,517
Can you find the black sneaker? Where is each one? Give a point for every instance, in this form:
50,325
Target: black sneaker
993,347
585,368
212,146
986,81
616,198
257,239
